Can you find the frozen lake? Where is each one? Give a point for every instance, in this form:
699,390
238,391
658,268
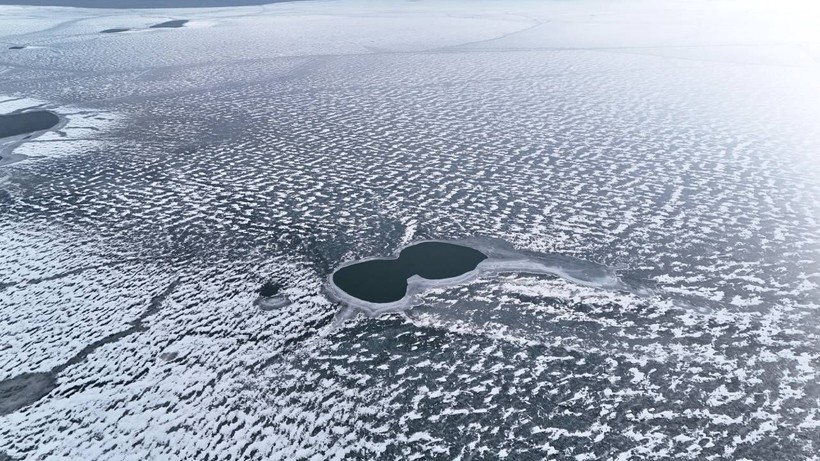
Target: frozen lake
644,175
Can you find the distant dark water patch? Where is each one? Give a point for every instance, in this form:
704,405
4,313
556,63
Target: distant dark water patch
385,280
27,122
114,31
174,24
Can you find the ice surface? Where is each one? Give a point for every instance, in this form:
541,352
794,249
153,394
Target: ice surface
672,144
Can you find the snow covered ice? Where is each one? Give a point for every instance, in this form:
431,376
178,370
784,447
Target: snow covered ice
671,147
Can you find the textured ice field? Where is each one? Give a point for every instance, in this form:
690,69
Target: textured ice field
677,144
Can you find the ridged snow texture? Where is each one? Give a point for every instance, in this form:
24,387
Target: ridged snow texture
676,145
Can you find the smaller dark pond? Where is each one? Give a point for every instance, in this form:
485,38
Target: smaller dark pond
27,122
113,31
385,280
176,23
270,288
